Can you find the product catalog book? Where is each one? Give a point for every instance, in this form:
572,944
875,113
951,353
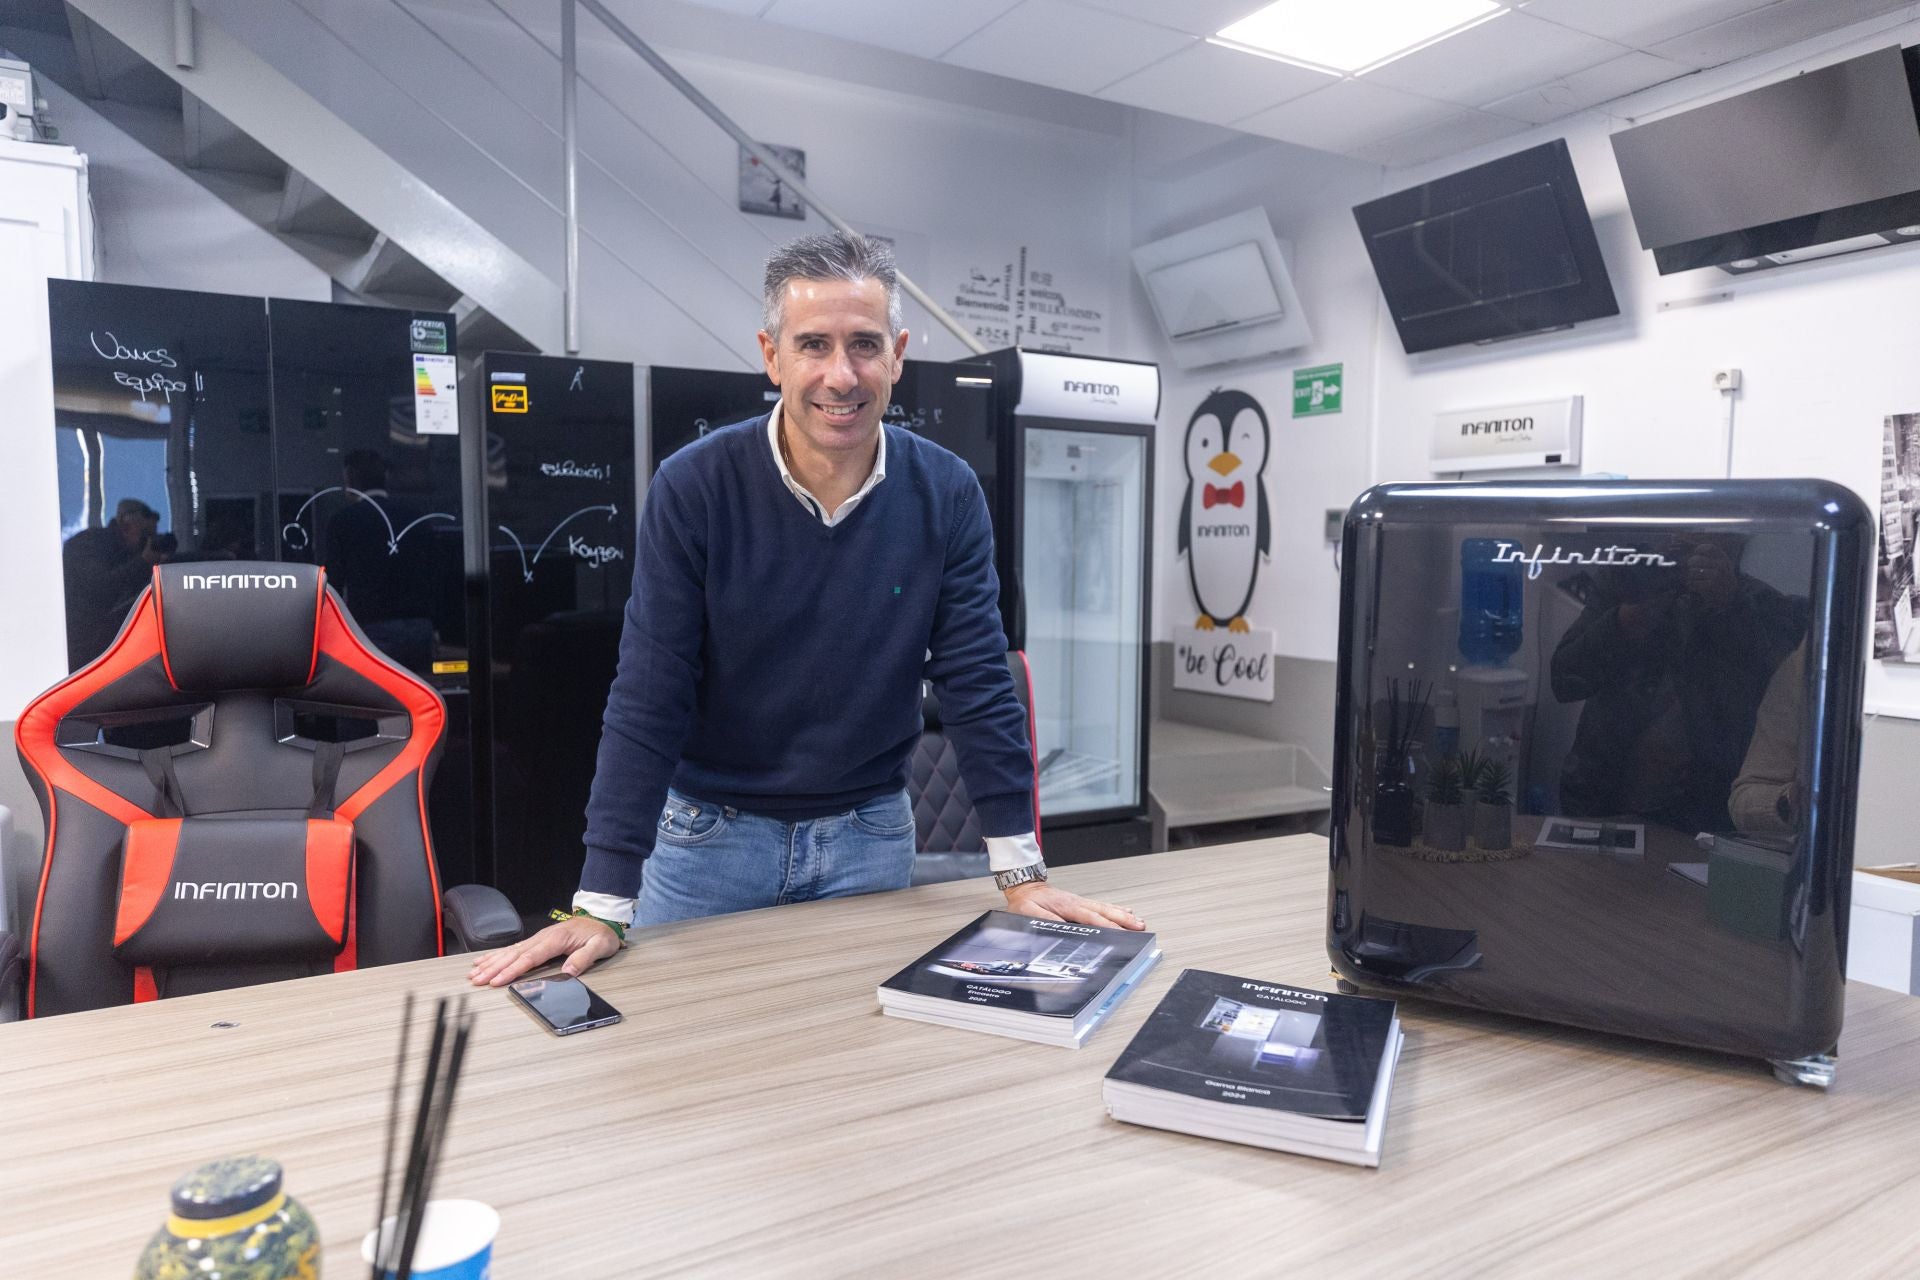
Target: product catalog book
1261,1063
1046,980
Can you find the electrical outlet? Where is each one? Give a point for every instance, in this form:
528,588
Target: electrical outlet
1726,379
1335,522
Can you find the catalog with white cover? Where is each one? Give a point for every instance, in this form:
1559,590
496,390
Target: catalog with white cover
1014,975
1261,1063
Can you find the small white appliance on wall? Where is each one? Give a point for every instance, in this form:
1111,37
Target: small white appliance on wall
1541,433
1222,292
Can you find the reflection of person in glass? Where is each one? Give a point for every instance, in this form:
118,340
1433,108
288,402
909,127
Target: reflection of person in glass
1671,663
376,576
1770,793
105,568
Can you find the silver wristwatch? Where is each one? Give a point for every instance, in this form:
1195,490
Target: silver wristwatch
1020,875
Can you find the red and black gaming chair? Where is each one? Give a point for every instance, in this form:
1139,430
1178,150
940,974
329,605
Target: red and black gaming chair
235,792
946,826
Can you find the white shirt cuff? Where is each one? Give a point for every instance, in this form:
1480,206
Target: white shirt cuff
1004,853
605,905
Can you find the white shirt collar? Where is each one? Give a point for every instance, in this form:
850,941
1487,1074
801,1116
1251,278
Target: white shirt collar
799,491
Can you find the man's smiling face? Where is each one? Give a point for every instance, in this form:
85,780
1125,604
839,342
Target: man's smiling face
834,362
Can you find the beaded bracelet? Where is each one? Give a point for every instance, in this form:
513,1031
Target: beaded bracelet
619,929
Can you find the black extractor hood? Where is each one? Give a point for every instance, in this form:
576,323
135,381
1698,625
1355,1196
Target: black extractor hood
1825,163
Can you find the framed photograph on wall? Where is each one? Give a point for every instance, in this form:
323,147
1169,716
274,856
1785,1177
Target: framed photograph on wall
763,191
1896,595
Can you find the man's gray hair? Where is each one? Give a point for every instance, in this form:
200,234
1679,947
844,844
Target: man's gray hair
835,255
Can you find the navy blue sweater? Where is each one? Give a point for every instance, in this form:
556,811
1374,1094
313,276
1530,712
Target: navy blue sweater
773,664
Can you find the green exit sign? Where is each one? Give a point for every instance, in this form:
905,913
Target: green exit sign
1317,390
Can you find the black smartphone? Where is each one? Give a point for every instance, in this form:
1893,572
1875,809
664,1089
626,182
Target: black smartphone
564,1003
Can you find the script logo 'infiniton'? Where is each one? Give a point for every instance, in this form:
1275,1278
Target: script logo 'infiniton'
1514,553
193,581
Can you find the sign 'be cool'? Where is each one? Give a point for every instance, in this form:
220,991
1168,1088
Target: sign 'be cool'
1237,664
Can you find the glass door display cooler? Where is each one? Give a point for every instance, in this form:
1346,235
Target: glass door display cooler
1072,507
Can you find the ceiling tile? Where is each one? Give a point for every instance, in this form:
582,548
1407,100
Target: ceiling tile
1773,27
1445,137
1345,115
1065,45
926,31
1215,84
1496,58
1639,23
1195,17
1589,88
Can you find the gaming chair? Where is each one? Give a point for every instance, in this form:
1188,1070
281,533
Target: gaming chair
234,793
946,827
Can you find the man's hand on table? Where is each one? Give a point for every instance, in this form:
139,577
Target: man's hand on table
583,940
1038,898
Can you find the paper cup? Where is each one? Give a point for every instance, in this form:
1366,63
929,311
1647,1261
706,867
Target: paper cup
456,1241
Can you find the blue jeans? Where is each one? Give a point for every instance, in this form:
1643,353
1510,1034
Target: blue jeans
709,859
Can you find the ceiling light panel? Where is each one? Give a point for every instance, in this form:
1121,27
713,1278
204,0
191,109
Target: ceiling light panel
1353,36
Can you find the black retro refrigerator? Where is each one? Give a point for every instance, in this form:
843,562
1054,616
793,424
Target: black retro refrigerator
240,428
555,481
1063,446
1597,754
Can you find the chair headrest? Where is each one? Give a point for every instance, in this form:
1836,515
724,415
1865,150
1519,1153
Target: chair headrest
238,624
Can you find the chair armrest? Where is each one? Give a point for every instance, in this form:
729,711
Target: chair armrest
13,975
479,918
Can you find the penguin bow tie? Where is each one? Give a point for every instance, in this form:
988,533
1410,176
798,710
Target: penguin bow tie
1231,497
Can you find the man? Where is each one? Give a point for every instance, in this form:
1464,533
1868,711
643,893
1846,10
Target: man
797,575
105,567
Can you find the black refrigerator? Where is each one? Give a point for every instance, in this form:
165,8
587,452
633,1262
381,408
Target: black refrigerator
554,488
1063,446
225,427
1597,751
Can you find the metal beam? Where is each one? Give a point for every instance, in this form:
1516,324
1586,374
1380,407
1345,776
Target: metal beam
799,185
183,34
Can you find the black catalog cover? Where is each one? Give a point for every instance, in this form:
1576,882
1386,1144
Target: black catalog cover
1224,1039
1018,964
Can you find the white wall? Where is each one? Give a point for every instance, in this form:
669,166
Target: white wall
1184,177
1827,349
159,227
961,169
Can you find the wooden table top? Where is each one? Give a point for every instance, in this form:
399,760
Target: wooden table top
755,1113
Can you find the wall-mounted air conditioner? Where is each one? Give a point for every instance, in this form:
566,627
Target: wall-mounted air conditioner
1222,292
1824,163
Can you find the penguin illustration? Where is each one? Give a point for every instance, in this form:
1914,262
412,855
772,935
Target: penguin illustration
1225,507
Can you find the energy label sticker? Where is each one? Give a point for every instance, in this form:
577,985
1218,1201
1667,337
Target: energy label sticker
436,407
